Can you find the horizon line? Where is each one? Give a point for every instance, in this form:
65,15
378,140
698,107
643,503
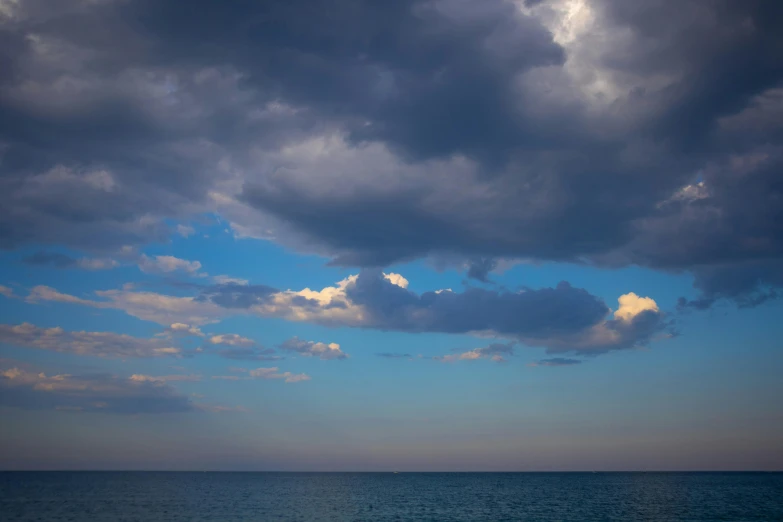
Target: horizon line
107,470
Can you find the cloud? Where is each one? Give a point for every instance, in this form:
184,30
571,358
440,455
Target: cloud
482,130
164,378
479,269
185,230
496,352
93,393
216,408
58,260
724,230
636,322
224,279
182,329
556,361
561,319
240,348
169,264
748,284
313,349
632,305
274,373
237,295
7,292
148,306
396,279
515,130
230,340
372,300
95,344
245,353
266,373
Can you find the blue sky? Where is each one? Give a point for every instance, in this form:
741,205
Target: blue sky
447,236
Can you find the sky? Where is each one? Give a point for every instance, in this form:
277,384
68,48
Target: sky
420,235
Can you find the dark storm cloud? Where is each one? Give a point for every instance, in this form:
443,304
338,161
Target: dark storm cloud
727,50
435,76
91,393
728,231
457,128
747,284
606,197
479,269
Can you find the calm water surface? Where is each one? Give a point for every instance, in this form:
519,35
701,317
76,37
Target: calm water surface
163,496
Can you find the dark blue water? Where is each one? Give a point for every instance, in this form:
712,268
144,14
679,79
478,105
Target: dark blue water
162,496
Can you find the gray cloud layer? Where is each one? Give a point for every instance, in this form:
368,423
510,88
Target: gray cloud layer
635,133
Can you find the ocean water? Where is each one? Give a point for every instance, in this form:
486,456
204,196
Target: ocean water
171,496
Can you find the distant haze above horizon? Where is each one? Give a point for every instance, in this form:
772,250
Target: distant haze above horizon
415,235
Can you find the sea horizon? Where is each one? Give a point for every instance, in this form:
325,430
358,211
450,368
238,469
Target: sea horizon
107,470
384,260
179,496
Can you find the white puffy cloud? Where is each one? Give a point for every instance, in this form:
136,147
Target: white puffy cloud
632,305
329,305
396,279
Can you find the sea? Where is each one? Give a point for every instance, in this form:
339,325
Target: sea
208,496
